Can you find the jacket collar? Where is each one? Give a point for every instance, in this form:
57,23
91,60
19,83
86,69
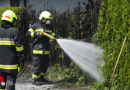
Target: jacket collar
6,24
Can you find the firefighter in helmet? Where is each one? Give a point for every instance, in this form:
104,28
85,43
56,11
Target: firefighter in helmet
11,49
40,47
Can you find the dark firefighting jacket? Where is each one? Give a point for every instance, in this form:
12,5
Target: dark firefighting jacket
41,45
10,47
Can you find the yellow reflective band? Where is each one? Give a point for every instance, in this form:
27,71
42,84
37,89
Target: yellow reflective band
19,48
35,76
32,34
37,52
7,43
48,30
31,30
2,89
9,66
41,30
47,52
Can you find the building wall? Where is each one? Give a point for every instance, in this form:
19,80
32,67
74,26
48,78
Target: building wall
36,4
21,3
6,3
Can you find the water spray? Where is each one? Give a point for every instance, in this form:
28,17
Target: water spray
84,54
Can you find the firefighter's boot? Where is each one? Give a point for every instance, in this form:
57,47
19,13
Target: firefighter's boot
37,82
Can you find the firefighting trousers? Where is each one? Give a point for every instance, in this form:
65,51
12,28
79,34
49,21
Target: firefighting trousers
40,65
9,79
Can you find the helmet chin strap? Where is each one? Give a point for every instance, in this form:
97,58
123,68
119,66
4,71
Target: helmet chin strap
43,24
47,22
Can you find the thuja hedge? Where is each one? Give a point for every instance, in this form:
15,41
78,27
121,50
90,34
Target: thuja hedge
113,27
22,24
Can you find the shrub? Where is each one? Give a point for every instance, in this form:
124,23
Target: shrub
113,26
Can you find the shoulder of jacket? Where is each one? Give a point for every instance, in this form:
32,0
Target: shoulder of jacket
12,29
36,25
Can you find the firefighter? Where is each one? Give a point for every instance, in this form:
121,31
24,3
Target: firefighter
11,49
40,47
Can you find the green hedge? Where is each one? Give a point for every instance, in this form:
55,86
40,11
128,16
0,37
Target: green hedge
113,26
22,23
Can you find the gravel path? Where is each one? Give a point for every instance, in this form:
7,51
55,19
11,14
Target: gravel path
29,86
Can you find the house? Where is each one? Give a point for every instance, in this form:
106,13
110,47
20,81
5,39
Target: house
37,4
8,3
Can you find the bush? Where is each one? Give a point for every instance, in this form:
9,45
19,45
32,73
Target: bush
112,28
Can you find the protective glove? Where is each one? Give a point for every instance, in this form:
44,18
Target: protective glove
19,69
20,66
38,34
21,61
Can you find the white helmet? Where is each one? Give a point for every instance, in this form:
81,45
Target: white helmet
9,16
44,16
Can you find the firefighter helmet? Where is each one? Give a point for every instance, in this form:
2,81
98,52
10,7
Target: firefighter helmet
45,15
9,16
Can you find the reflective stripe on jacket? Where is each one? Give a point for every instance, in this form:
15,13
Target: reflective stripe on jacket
10,46
40,52
42,45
